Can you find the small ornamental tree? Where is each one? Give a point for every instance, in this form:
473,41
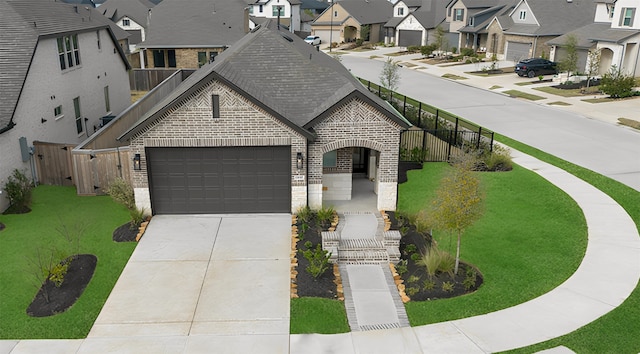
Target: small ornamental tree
593,67
441,41
390,76
570,62
458,202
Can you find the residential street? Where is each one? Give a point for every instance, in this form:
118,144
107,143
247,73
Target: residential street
566,132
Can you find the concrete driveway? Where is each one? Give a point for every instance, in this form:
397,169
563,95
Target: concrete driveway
201,282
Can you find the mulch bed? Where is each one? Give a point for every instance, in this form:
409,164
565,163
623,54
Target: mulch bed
17,209
80,272
307,286
126,233
577,85
404,166
416,278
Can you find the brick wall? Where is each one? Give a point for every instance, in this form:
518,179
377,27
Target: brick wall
186,58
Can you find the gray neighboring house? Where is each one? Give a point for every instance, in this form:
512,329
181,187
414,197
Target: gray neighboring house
475,34
180,36
525,30
61,70
615,33
130,15
271,125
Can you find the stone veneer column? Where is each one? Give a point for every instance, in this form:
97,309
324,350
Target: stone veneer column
143,199
387,195
298,198
315,196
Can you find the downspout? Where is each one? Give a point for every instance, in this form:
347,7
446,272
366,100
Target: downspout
535,45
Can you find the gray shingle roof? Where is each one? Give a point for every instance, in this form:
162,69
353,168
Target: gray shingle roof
22,23
368,12
313,5
555,17
135,9
599,31
203,23
431,14
281,73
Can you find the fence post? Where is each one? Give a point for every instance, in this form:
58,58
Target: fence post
491,148
437,117
455,137
420,115
379,95
424,145
368,85
479,135
449,147
404,107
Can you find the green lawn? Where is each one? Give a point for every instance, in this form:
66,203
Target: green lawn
616,331
317,315
24,234
531,238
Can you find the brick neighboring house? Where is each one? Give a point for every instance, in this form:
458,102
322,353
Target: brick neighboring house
343,20
61,70
525,30
180,36
236,137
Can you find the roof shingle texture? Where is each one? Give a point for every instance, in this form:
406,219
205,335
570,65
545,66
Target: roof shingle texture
368,12
203,23
291,78
134,9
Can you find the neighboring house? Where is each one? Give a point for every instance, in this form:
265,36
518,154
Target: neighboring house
418,27
401,9
130,15
180,36
288,11
343,20
237,137
460,13
61,70
525,30
309,11
475,34
615,32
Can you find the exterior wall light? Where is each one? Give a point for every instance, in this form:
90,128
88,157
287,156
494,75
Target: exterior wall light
299,161
136,162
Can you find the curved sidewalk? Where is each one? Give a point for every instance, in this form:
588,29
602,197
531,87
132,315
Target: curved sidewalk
607,275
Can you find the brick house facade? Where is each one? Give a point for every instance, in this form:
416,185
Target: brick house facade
217,109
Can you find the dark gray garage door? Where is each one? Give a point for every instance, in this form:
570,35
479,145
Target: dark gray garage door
407,38
220,180
517,51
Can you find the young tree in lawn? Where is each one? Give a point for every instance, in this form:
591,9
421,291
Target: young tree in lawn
593,65
570,62
441,41
458,202
617,84
390,76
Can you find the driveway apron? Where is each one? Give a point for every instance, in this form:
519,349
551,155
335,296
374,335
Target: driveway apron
205,280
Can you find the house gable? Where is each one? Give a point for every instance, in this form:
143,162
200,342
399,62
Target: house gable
522,14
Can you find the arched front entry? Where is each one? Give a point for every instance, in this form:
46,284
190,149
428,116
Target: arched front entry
350,34
349,179
606,60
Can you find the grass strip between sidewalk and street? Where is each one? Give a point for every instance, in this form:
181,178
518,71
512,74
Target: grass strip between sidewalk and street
526,96
25,234
318,315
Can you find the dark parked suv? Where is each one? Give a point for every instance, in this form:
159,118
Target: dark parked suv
535,66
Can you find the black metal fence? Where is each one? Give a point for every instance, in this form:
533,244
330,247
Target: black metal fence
437,135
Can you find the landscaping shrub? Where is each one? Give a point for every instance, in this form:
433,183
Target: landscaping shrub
427,50
18,189
617,84
468,52
413,48
122,192
499,159
318,260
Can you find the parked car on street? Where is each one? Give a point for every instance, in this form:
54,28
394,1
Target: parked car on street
313,40
536,66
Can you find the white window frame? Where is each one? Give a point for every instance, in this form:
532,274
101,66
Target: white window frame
458,15
627,21
523,15
68,51
401,11
78,114
58,115
107,100
126,22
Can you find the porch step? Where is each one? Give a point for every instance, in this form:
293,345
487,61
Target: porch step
363,256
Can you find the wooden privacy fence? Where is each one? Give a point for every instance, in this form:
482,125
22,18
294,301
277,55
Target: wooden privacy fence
53,163
96,169
91,171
